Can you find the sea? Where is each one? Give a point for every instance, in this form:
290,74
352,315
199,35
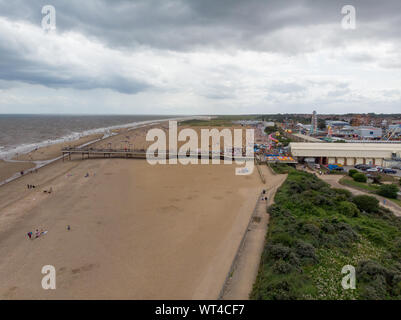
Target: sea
23,133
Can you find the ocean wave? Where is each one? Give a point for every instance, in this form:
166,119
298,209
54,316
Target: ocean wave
12,151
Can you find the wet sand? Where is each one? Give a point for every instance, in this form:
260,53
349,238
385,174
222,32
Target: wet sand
54,150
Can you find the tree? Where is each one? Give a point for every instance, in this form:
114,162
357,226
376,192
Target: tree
388,190
321,124
359,177
366,203
377,179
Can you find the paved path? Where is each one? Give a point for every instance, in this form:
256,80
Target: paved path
334,179
246,264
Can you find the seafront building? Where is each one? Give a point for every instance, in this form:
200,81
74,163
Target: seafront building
379,154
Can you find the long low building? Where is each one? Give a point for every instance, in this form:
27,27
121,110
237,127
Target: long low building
347,153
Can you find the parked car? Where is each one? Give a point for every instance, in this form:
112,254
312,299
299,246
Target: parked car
372,170
387,170
317,166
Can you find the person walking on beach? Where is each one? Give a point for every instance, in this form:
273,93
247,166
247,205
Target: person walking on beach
29,235
37,233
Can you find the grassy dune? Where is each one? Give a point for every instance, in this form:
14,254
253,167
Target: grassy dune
314,231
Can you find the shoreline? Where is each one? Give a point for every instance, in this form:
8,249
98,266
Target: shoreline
42,163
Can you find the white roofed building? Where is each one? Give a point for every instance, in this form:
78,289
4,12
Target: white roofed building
347,153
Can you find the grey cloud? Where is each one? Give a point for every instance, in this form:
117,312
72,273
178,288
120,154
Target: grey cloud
188,24
17,66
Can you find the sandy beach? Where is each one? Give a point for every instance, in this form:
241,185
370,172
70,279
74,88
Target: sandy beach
53,151
136,139
7,169
137,231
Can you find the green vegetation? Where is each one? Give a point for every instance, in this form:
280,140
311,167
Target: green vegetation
281,168
358,185
388,190
281,138
270,130
212,122
351,172
240,117
315,230
384,190
284,140
359,177
366,203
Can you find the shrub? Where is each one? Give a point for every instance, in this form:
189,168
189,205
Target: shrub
344,192
374,278
311,229
352,172
305,250
388,191
282,267
377,179
366,203
359,177
278,251
348,209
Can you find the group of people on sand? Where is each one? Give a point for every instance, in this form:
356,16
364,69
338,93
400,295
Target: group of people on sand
37,234
48,191
263,195
31,186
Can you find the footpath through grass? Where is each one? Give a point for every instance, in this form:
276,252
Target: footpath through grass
348,181
314,231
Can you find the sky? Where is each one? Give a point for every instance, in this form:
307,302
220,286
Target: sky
200,57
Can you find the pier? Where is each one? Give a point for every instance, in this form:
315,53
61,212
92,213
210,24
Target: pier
141,154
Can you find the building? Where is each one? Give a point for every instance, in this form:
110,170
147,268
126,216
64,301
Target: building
369,132
336,124
347,153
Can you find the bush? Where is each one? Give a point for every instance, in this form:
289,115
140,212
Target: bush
282,267
359,177
305,250
388,191
343,193
348,209
377,179
366,203
352,172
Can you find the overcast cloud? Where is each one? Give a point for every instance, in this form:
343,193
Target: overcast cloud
200,57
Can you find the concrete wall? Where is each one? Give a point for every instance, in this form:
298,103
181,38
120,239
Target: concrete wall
359,161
